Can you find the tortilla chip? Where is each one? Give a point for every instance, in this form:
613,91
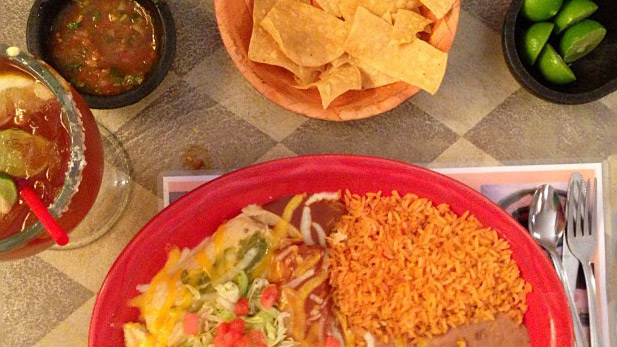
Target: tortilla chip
439,7
307,35
330,6
263,49
315,73
417,63
336,81
407,25
387,17
412,5
343,59
381,8
377,7
373,78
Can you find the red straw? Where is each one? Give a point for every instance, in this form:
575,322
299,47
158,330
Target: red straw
41,212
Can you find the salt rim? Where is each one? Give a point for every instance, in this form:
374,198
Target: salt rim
13,51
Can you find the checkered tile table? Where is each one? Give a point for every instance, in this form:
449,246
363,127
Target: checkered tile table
480,116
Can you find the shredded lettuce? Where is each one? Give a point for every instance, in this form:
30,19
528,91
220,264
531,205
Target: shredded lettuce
218,307
228,294
243,283
215,304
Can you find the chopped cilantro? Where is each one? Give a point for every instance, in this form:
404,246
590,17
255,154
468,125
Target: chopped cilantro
73,25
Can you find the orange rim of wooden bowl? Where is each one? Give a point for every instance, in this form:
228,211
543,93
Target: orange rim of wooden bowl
356,104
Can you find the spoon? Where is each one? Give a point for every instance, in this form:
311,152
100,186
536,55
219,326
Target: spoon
545,228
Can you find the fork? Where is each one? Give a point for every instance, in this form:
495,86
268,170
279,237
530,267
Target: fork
582,239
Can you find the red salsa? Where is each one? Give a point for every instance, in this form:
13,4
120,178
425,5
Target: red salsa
104,47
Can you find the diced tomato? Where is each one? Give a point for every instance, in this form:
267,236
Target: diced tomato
242,342
331,342
222,329
242,307
238,325
269,296
190,323
256,338
230,339
233,337
219,340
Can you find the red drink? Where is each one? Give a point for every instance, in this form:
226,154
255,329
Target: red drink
27,108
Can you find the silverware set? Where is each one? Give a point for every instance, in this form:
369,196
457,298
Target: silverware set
580,239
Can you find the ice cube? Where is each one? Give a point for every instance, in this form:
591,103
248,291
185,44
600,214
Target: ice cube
20,96
23,154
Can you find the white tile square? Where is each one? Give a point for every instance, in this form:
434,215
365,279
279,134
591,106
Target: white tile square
219,78
477,79
463,153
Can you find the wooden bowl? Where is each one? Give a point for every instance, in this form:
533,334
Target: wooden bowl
235,22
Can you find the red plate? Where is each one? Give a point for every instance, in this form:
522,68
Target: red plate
198,214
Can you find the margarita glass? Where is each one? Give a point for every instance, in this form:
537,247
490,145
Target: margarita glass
49,141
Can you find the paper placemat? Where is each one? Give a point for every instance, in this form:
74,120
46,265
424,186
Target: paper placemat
511,187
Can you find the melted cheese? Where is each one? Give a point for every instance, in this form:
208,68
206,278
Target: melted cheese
205,263
280,229
165,318
350,339
297,299
279,232
298,316
144,300
186,298
219,238
312,338
311,285
307,264
263,266
150,342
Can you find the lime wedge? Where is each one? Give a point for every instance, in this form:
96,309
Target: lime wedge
23,154
540,10
534,40
581,39
573,12
553,68
8,193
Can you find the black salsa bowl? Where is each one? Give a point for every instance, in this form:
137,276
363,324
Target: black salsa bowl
41,19
596,73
